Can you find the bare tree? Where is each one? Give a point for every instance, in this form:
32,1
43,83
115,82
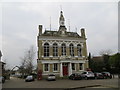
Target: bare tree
22,68
27,61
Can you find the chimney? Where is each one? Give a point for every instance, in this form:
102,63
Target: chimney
83,32
40,29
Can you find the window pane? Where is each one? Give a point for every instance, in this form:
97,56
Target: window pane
81,66
73,66
63,47
46,67
79,50
46,49
55,49
71,48
55,67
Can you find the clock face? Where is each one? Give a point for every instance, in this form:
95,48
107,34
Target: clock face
62,23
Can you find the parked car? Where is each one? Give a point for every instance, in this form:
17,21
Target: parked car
107,75
98,75
87,75
51,77
75,76
2,79
29,78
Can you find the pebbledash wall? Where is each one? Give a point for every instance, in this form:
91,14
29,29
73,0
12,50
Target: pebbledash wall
60,52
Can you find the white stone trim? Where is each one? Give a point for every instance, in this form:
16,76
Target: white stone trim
61,39
83,56
50,56
49,61
61,61
50,73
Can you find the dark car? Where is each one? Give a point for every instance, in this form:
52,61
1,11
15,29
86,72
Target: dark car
75,76
29,78
98,75
2,79
107,75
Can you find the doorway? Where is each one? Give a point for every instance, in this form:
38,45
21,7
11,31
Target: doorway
65,69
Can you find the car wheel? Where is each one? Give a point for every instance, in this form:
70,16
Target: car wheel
95,78
73,78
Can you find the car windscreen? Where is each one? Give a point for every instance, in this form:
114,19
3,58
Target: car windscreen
90,72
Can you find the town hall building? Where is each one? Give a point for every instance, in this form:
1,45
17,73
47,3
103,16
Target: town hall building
61,52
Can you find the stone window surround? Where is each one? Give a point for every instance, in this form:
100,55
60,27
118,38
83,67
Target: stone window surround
46,49
54,66
55,48
59,43
44,67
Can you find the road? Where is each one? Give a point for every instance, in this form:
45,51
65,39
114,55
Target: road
101,83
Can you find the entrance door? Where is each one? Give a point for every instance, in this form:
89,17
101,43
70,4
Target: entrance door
65,69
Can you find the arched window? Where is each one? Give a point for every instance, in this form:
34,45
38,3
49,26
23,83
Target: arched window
46,50
71,48
79,50
63,49
55,49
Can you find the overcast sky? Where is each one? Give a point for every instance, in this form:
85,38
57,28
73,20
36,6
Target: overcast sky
20,25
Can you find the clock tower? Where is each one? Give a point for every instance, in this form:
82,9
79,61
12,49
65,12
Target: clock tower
62,28
61,19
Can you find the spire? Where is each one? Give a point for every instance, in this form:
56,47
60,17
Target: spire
61,19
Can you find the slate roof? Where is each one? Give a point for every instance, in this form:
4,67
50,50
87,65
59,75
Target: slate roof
56,33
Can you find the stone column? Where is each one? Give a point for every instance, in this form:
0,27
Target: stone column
61,70
70,69
59,50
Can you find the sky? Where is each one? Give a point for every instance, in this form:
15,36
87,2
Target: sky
20,22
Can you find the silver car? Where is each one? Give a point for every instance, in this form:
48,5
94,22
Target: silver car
51,77
29,78
87,75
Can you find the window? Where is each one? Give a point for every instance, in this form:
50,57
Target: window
55,67
63,49
80,66
71,48
46,50
79,50
55,49
46,68
73,66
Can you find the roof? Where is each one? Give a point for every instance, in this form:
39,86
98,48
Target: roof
97,58
56,33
